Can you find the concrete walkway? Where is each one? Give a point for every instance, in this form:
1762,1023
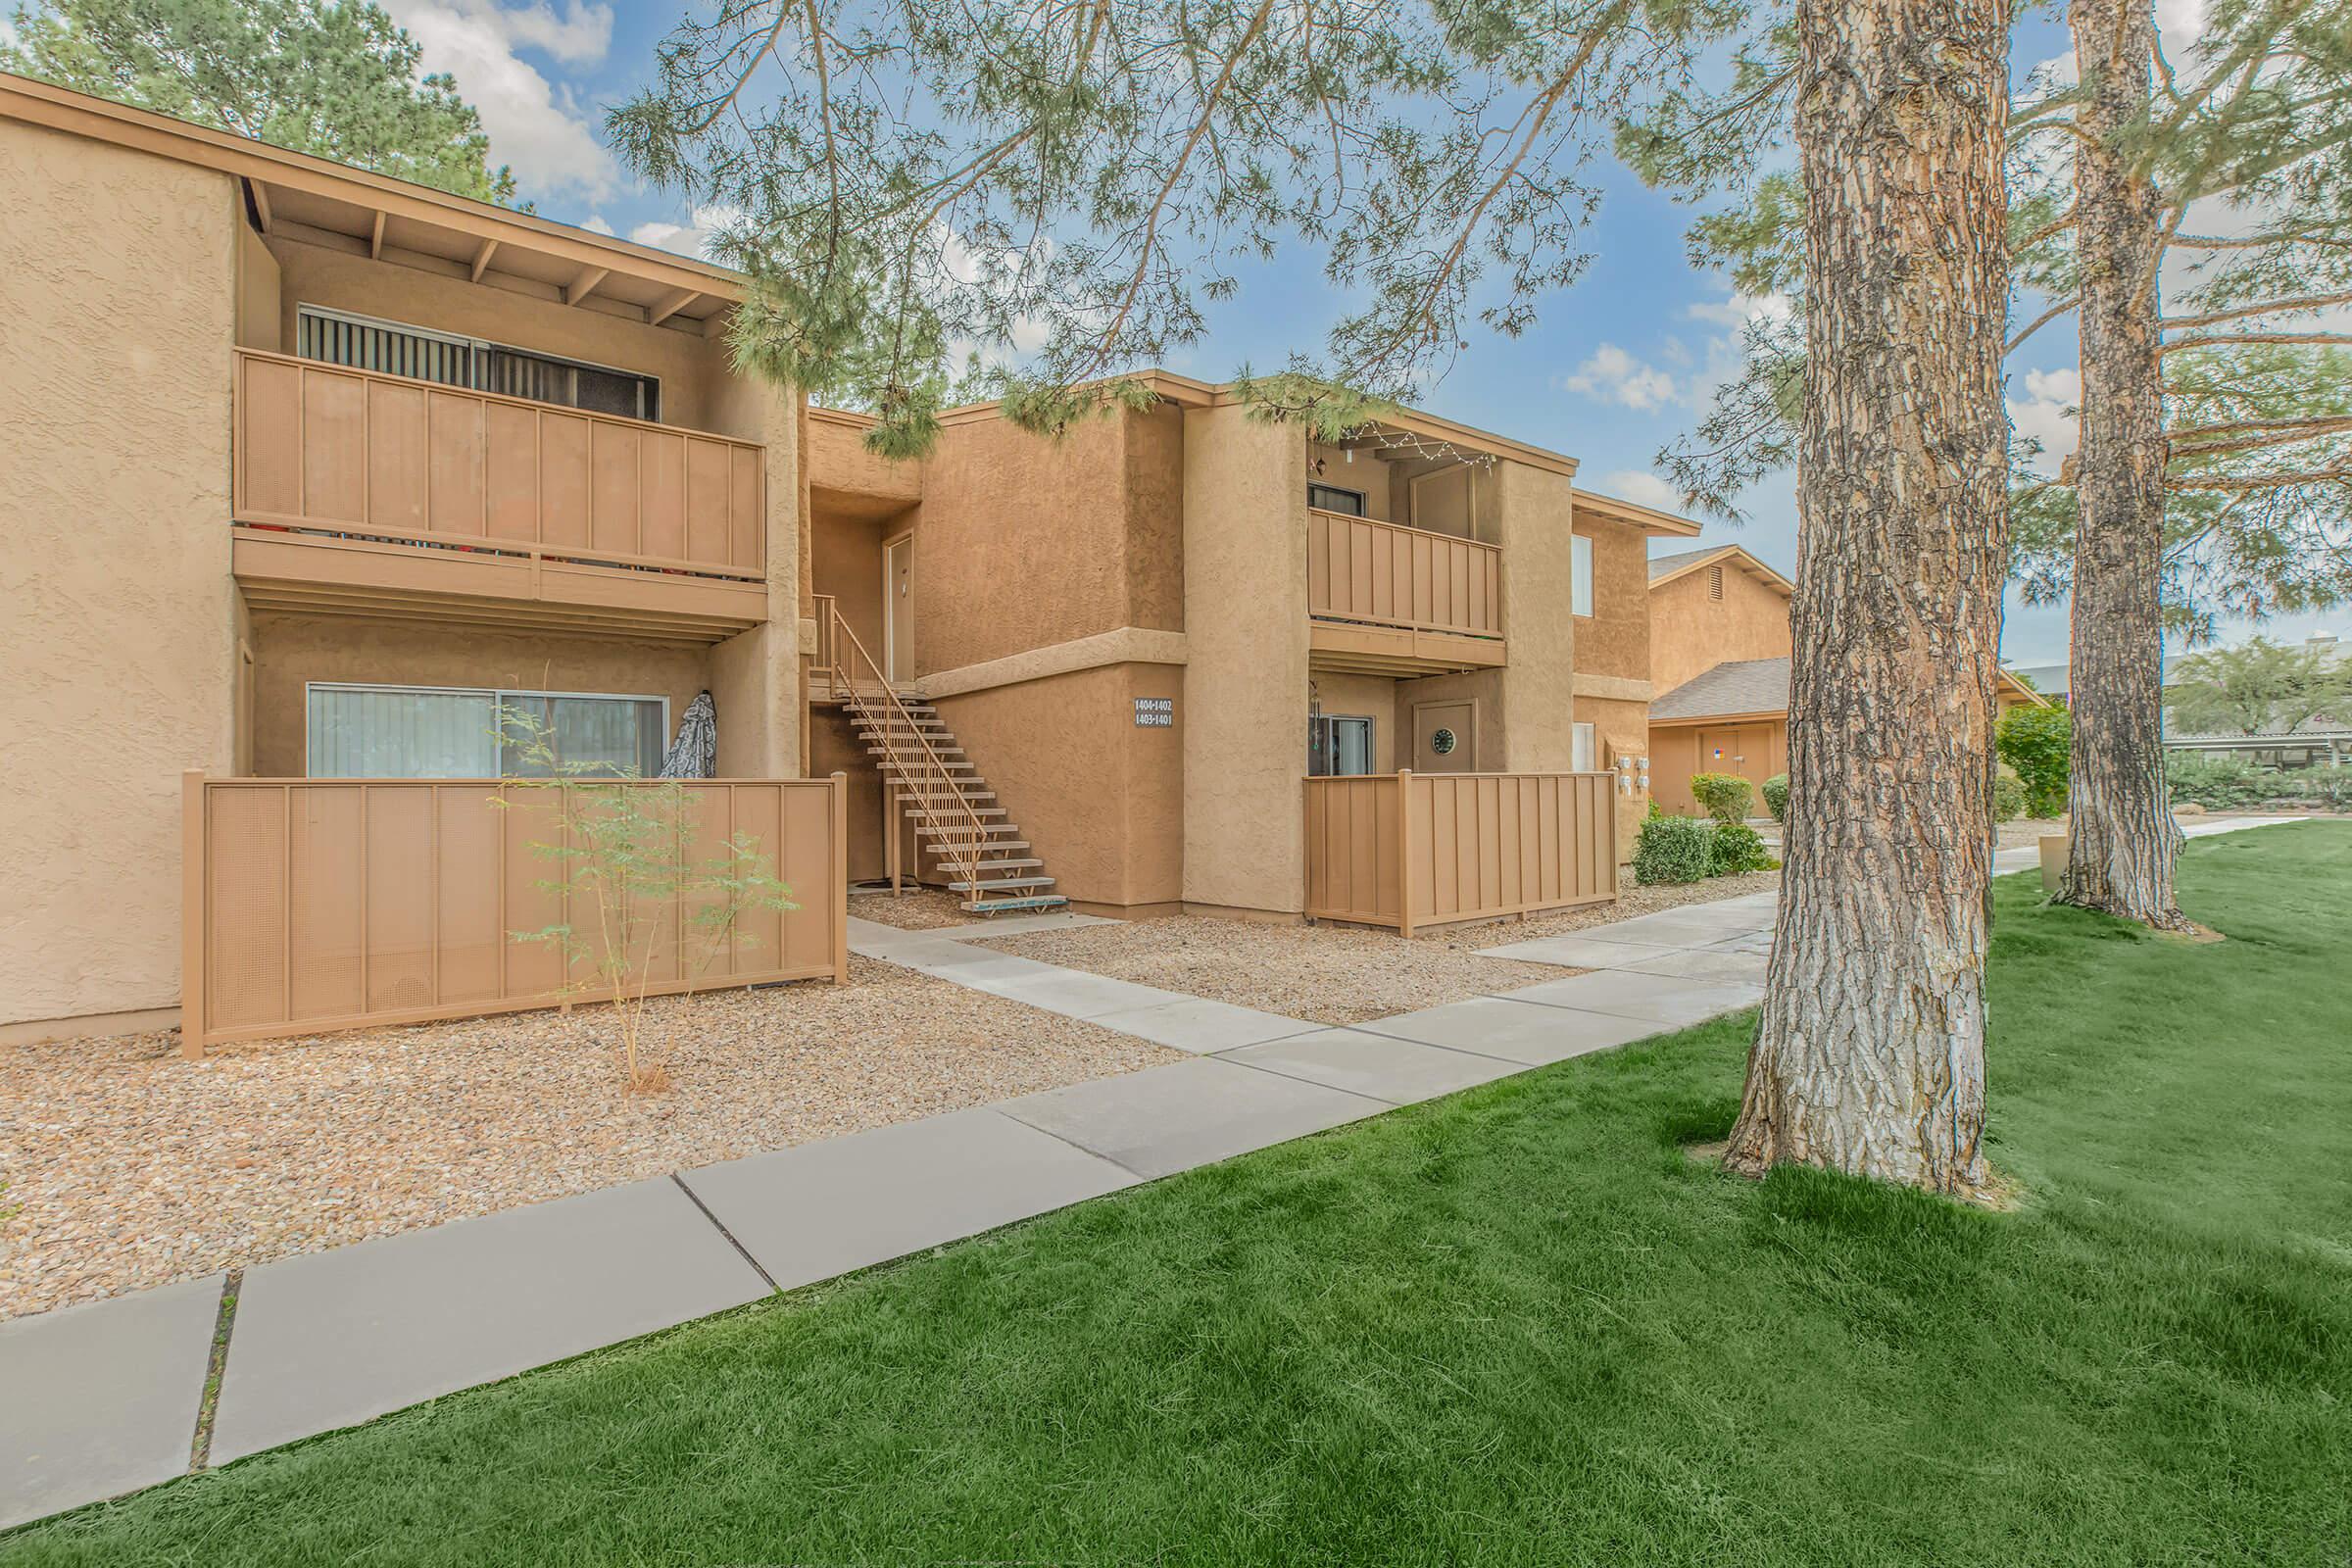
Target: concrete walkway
104,1398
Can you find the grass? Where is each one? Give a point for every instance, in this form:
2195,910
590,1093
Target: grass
1517,1326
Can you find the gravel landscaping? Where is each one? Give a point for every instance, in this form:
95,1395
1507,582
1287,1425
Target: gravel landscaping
130,1167
915,910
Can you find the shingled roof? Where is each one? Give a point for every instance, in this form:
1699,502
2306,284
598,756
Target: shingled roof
1739,686
1662,565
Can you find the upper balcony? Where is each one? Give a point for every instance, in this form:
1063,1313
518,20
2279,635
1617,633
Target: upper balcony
377,494
1391,599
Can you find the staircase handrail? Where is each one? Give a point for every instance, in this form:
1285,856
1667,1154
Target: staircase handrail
843,637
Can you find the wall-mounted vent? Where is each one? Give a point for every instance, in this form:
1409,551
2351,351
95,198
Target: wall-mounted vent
1714,582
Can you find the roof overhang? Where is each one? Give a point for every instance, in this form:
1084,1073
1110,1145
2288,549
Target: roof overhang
1733,556
297,196
1650,520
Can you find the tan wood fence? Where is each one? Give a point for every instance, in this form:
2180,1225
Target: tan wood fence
1407,850
1390,575
317,905
318,445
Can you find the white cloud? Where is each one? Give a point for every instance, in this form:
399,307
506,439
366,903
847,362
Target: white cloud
534,124
2047,414
1741,308
1613,376
595,224
1640,487
692,237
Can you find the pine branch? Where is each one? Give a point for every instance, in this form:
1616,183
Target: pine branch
2341,473
2040,322
2237,339
2263,434
2309,302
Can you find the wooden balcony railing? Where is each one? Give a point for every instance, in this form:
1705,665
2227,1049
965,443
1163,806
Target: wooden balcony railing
1407,850
1386,575
322,447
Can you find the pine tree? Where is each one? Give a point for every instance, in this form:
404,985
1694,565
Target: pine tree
334,77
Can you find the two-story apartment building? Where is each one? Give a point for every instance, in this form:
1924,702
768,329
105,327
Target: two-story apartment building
314,475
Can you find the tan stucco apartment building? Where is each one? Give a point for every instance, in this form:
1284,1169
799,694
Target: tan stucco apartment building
314,474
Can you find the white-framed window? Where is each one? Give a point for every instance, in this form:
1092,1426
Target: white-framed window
395,348
1338,746
1587,750
1579,574
358,731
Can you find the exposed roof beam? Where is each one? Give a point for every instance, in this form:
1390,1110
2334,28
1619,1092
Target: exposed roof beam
375,237
261,202
585,285
482,257
671,306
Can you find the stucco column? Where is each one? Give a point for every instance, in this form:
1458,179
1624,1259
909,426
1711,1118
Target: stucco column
756,677
1244,688
1535,527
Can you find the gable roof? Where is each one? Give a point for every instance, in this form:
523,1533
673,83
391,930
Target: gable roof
1650,520
1664,569
1742,688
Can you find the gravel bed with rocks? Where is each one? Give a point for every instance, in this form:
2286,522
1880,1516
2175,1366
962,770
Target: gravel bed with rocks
128,1166
915,910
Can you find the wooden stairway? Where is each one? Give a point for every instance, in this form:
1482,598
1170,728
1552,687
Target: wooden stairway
957,818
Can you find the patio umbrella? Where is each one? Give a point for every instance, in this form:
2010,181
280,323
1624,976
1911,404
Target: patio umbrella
695,752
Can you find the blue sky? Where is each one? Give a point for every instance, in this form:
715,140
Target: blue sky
1618,366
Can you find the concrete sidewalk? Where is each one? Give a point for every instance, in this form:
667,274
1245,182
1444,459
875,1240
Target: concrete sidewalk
104,1398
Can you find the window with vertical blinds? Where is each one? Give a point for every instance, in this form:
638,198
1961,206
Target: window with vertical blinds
446,732
394,349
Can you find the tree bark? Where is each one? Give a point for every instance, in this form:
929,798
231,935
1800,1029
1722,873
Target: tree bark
1870,1057
2123,837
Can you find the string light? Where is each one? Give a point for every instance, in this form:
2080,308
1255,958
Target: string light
1386,440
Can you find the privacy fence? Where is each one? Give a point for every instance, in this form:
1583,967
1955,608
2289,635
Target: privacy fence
314,904
1407,850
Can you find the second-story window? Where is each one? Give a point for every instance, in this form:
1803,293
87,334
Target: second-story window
1580,573
393,348
1331,498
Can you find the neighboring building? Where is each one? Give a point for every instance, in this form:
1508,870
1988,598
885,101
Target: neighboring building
2324,740
315,474
1719,647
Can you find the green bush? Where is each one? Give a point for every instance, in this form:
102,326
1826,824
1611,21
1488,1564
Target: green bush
1735,847
2008,798
1775,797
1672,848
1724,797
2035,741
2229,783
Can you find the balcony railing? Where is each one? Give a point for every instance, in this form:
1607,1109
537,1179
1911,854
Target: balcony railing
1385,574
323,447
1407,850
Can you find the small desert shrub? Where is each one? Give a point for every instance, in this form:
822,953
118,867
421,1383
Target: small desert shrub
1775,797
1735,847
1672,848
2008,798
1724,797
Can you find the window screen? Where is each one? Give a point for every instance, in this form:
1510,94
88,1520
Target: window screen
393,349
1331,498
436,732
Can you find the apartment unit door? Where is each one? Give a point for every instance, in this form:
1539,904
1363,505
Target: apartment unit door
1444,737
898,609
1745,751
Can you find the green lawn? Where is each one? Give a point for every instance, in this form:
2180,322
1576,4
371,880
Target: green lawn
1519,1326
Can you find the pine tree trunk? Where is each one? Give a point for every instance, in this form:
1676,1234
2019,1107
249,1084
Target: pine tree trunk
1870,1057
2120,815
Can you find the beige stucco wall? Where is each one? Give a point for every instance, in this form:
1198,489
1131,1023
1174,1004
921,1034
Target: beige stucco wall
756,676
1614,640
291,650
260,298
1244,619
1620,729
1024,542
1691,633
117,307
1536,516
1099,797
